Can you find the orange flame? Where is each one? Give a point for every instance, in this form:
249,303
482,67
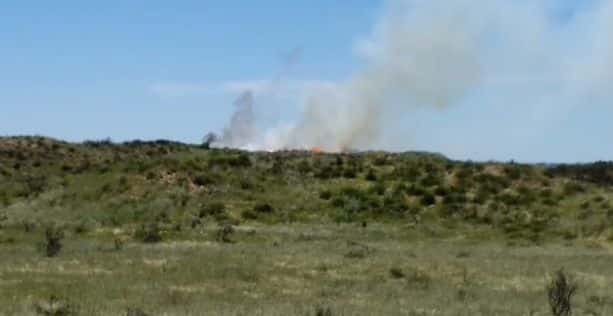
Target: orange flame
316,150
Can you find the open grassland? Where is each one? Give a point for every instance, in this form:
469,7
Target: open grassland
162,228
303,270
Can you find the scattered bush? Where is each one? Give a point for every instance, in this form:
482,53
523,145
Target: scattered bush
54,306
371,175
349,173
396,273
325,194
572,188
560,292
304,167
357,251
263,208
419,279
249,214
203,179
216,210
323,311
149,233
428,199
52,244
223,233
136,311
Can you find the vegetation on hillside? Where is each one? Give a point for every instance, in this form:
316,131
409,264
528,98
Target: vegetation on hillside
102,184
181,229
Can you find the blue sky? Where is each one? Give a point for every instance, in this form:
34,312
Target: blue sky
153,69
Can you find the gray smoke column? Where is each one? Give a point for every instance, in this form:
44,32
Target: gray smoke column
241,130
525,54
419,56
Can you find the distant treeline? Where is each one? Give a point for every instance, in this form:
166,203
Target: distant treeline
600,172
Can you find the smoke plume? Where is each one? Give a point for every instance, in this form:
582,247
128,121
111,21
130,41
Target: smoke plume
433,54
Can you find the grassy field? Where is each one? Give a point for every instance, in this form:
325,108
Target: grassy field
162,228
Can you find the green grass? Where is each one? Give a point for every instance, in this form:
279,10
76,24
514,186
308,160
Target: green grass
348,234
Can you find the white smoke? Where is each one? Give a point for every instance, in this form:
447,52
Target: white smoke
426,53
241,131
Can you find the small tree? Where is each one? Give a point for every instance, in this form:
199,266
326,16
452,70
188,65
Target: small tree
560,292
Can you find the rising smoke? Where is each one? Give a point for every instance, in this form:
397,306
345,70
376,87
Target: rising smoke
425,53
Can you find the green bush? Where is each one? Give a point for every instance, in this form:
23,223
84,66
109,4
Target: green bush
428,199
216,210
349,173
263,208
572,188
371,175
203,179
325,195
149,233
53,241
304,167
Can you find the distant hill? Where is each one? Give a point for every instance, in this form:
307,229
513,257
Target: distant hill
107,184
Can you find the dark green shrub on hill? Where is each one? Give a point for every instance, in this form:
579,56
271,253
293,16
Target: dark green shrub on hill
263,208
428,199
572,188
52,245
441,191
349,173
455,198
304,167
325,195
203,179
215,210
377,188
371,175
327,172
149,232
406,173
431,180
413,189
513,172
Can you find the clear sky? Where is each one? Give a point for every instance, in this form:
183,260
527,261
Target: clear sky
149,69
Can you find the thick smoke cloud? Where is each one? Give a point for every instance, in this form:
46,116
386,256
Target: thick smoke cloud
434,53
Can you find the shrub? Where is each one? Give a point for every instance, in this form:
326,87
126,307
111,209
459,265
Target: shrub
377,188
203,180
571,188
148,233
428,199
371,175
249,214
323,311
223,233
136,311
441,191
396,273
325,195
327,172
216,210
263,208
430,180
242,160
349,173
559,293
304,167
513,172
52,244
54,306
28,226
419,279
